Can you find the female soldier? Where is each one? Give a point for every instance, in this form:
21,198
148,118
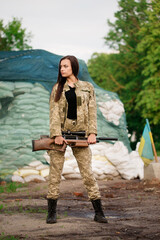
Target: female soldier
73,108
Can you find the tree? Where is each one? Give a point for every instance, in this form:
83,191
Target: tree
124,37
13,36
135,36
126,70
148,100
101,68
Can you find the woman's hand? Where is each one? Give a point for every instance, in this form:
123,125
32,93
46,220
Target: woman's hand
59,140
91,138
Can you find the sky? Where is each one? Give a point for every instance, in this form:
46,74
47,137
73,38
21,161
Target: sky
64,27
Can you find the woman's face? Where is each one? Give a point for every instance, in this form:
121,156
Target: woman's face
66,68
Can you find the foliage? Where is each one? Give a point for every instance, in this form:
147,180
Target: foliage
135,35
13,36
148,98
103,69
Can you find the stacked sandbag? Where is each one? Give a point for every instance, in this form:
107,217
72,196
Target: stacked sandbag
24,115
111,116
129,165
112,110
109,161
34,172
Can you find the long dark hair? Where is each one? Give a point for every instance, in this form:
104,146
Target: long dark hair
61,80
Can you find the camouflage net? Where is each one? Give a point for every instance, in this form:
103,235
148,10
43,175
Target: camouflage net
26,80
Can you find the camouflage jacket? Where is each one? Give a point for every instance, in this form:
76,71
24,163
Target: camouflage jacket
86,109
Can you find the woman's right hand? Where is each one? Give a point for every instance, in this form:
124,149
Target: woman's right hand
59,140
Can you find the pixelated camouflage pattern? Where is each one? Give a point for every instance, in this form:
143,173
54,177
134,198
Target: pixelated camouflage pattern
86,109
83,157
86,121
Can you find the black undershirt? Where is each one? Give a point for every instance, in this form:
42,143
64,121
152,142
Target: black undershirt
72,103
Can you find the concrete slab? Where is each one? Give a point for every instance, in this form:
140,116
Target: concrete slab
152,171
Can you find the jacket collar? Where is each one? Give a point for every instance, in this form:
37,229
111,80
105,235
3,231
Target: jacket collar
66,87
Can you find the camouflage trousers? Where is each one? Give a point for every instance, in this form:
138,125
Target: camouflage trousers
83,156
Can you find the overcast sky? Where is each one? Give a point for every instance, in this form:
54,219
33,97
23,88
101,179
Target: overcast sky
75,27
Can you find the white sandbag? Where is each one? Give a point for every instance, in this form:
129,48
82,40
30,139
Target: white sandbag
95,152
41,167
23,172
117,159
72,176
109,169
97,146
67,170
44,172
100,158
134,156
76,170
128,170
18,179
101,177
112,110
68,154
63,178
47,157
34,178
118,149
121,159
16,173
112,117
34,163
98,164
71,163
97,170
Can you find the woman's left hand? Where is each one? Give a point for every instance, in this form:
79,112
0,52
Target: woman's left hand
91,138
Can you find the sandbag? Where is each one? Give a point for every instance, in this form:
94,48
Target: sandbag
34,178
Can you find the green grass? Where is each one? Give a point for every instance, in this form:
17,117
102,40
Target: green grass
3,237
19,208
10,187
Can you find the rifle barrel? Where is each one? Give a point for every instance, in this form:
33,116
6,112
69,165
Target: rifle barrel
106,139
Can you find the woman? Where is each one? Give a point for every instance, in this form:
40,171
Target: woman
73,108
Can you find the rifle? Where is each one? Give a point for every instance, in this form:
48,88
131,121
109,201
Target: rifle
74,139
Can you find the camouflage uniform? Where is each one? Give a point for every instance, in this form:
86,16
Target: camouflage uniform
86,121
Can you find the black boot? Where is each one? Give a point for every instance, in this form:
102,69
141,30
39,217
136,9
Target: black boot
52,204
99,215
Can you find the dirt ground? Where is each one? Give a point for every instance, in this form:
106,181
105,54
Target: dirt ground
131,207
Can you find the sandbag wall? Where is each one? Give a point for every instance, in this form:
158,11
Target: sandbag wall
24,115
